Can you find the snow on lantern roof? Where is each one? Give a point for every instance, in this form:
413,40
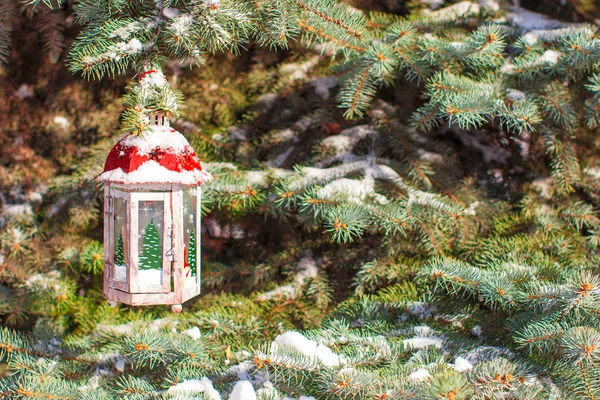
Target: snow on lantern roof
161,155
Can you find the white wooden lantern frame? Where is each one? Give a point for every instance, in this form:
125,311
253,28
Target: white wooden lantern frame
175,287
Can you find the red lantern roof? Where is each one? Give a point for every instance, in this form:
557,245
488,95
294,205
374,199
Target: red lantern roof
160,155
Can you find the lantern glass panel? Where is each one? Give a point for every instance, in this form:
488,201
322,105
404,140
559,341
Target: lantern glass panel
120,237
190,235
150,243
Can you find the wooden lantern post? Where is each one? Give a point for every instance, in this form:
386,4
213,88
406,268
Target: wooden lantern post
152,203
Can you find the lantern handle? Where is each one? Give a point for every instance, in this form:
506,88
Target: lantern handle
171,252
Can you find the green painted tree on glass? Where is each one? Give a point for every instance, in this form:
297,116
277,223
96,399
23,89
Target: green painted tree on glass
191,254
120,251
151,250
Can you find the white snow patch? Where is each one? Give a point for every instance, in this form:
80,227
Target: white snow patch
170,12
154,78
267,100
280,159
323,86
530,38
549,56
430,157
92,384
486,353
181,24
126,31
13,210
348,138
298,72
118,50
148,278
462,365
257,178
422,330
507,68
156,136
243,390
453,12
229,231
352,190
515,95
23,92
489,4
420,375
472,209
423,342
433,4
421,310
303,124
135,46
558,33
122,329
120,365
242,370
212,3
163,323
49,280
308,347
237,133
61,121
595,172
305,269
285,135
203,385
120,273
457,45
267,392
153,172
530,20
194,333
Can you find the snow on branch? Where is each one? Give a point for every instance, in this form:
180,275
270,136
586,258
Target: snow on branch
305,269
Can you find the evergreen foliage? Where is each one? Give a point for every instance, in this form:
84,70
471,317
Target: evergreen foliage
435,237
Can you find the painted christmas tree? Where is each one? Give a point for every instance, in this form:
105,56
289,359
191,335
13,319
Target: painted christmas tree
191,254
151,250
120,251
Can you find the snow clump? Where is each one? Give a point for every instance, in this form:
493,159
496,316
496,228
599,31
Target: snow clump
243,390
420,375
307,347
462,365
203,385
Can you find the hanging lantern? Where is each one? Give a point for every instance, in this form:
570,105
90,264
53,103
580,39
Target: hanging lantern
152,200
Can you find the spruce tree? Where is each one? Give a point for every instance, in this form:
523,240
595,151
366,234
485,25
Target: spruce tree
405,206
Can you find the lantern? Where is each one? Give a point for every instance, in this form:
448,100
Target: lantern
152,200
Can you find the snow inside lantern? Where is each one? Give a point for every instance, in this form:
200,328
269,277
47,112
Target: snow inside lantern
152,201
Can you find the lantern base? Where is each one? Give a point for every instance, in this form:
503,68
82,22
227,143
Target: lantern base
176,308
149,299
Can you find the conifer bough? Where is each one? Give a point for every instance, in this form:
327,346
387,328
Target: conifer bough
508,71
515,318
